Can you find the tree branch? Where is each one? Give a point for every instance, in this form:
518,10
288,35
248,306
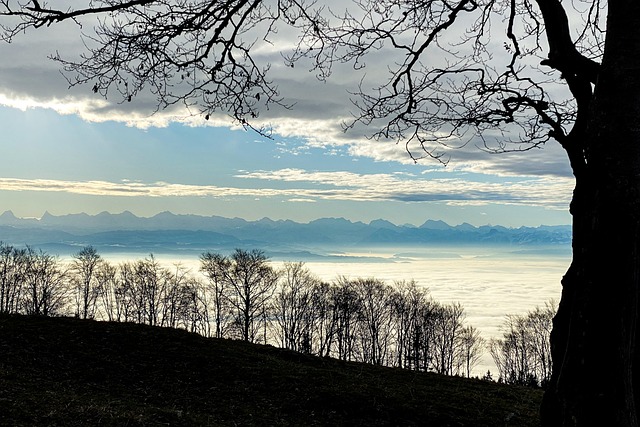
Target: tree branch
563,55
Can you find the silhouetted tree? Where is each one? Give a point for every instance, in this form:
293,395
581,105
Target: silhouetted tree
151,282
13,269
512,354
84,267
577,83
196,302
183,303
176,304
323,331
214,267
522,355
540,324
470,349
250,282
345,304
45,285
108,286
128,300
141,290
410,306
292,307
374,319
448,324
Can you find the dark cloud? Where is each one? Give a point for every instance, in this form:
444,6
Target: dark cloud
318,111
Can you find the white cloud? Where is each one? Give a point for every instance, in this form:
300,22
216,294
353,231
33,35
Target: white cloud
548,192
304,186
68,105
301,201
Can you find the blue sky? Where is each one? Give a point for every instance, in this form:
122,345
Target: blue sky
68,150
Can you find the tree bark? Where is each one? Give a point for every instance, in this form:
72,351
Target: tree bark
594,337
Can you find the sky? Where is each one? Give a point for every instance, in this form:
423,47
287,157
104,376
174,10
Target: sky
68,150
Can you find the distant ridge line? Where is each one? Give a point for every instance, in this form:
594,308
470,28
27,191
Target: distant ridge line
168,233
166,218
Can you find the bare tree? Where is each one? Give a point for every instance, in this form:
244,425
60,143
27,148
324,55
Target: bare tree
345,304
151,282
84,267
513,354
448,324
46,289
140,291
411,307
375,320
108,286
13,269
522,355
292,307
470,350
177,298
214,267
183,303
503,74
323,331
128,301
540,323
196,316
251,282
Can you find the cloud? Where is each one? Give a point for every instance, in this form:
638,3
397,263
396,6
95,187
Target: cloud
548,192
301,201
29,80
120,189
299,186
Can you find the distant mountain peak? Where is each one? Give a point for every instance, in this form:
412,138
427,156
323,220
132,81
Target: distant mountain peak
465,226
7,215
382,223
331,220
435,225
164,214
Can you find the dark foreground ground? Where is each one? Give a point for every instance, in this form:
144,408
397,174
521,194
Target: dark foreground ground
69,372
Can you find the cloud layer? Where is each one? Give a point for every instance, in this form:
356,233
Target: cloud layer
29,80
304,187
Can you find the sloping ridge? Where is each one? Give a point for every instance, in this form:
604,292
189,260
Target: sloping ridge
63,371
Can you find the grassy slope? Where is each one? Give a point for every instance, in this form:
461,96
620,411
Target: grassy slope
71,372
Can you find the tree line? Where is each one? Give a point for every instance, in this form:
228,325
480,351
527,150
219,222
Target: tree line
242,296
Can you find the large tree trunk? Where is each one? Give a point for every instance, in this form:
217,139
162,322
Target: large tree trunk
594,336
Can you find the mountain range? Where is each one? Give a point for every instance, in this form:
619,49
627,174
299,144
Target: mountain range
168,233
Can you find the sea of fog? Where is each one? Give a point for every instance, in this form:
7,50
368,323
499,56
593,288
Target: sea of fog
489,282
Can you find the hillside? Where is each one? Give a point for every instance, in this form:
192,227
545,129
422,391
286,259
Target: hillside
62,371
